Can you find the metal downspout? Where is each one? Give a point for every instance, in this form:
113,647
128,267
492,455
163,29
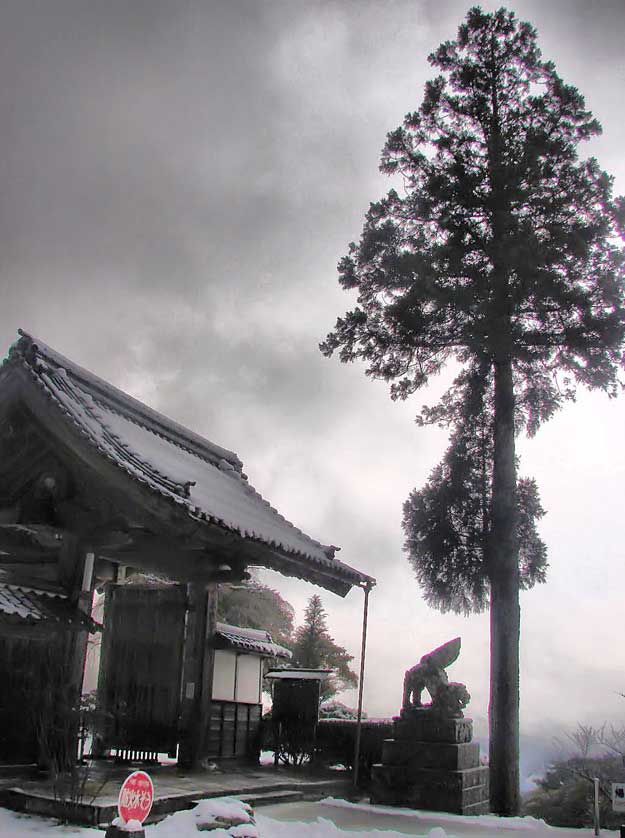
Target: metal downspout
367,589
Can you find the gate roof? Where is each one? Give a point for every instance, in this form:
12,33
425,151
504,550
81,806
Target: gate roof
204,481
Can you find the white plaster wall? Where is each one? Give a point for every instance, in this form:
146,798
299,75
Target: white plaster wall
248,679
224,675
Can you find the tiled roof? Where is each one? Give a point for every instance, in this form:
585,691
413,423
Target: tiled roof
25,604
249,640
204,479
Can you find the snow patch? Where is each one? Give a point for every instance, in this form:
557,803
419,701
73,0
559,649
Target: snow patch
132,825
221,817
222,809
526,823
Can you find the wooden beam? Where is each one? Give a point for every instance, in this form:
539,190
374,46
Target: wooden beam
179,565
176,560
25,558
29,573
29,540
111,540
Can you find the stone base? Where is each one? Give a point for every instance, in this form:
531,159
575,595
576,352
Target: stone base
431,763
459,792
418,754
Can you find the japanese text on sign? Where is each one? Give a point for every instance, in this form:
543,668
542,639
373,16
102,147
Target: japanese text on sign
135,797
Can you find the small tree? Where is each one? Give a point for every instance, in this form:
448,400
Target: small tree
502,255
314,648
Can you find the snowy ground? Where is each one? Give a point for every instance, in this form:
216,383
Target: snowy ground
333,818
328,819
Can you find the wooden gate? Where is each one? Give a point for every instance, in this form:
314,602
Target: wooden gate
141,667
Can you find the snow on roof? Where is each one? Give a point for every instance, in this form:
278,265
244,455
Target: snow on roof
33,347
299,674
201,477
250,640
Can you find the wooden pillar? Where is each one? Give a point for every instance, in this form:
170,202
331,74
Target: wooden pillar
81,597
197,679
99,748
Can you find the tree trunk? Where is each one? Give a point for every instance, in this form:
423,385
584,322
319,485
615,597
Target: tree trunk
504,604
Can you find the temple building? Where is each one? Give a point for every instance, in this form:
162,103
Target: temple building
93,486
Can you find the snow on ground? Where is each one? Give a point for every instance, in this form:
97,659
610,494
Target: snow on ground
489,822
330,818
14,825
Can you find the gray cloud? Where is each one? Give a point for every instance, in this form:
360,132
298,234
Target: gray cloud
178,181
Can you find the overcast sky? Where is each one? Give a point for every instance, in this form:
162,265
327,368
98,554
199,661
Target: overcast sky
178,182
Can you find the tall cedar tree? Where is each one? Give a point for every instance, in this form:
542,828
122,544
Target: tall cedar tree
314,648
502,255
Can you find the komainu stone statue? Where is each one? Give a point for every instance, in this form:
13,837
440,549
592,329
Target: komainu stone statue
448,699
431,762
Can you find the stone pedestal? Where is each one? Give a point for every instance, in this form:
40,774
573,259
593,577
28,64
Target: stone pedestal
431,763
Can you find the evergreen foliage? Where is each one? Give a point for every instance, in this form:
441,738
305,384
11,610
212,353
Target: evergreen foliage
314,648
502,255
447,523
334,709
253,605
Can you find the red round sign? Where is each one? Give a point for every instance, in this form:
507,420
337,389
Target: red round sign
135,797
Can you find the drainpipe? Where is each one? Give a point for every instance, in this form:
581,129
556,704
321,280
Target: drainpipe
367,589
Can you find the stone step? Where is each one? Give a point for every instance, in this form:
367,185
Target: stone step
481,808
443,755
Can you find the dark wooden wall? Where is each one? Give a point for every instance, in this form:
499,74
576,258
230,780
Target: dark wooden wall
34,695
19,686
234,730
